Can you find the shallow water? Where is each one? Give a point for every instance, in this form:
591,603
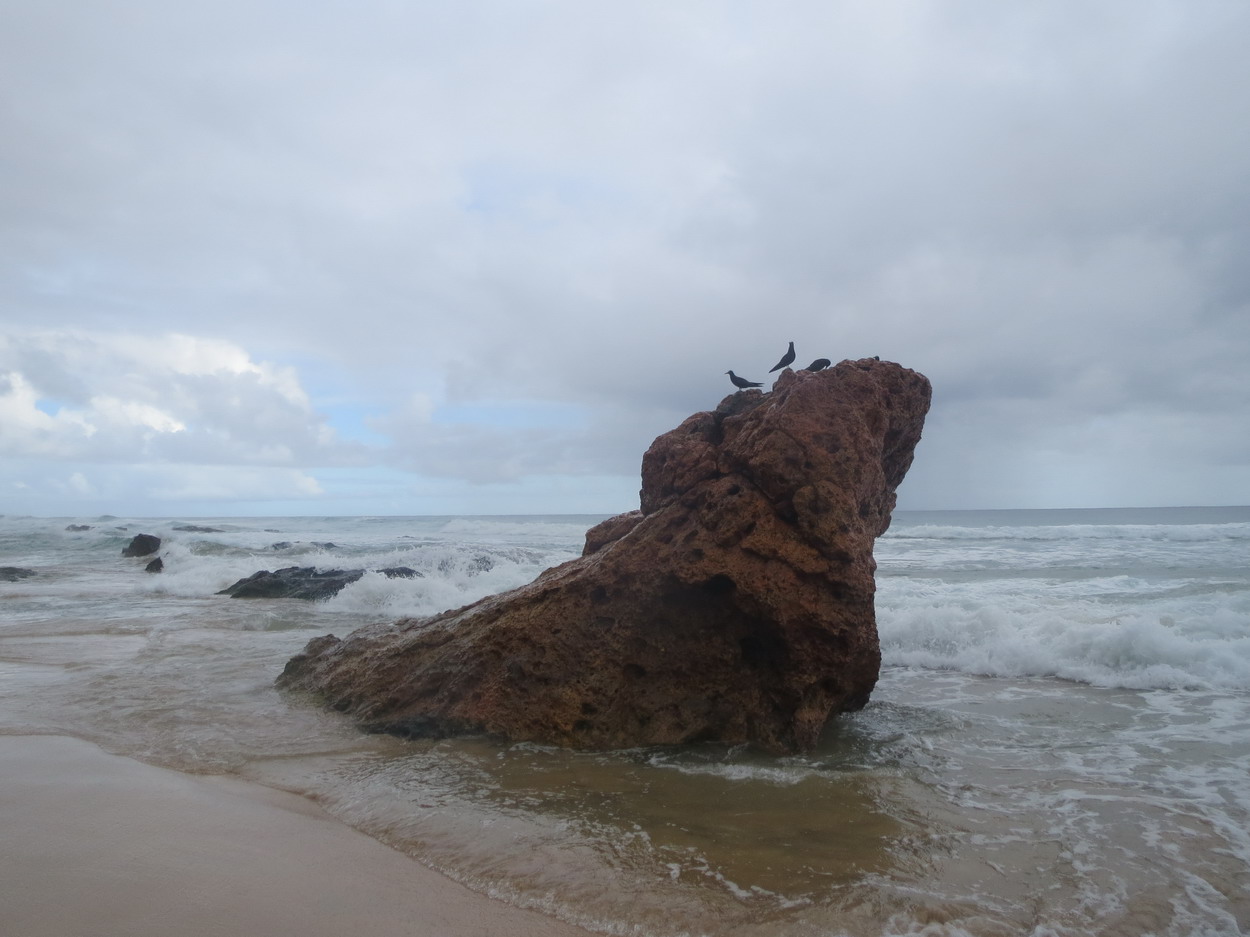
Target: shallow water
1058,744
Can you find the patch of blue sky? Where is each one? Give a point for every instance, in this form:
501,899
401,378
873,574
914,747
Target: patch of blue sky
349,420
49,405
526,194
513,414
346,413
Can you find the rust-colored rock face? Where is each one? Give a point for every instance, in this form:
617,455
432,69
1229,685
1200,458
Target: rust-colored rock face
736,605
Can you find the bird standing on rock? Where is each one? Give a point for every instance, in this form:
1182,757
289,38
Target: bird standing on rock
785,360
819,364
742,382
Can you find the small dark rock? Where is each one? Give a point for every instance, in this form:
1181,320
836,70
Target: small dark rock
156,566
142,545
195,529
14,573
280,545
76,528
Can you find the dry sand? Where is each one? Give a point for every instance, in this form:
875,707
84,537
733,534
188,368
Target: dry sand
95,845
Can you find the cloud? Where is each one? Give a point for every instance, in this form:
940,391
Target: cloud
254,234
77,395
51,488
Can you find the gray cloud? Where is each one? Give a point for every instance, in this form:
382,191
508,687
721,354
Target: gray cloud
542,206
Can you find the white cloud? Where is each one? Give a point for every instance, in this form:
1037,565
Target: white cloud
46,487
83,395
128,413
232,484
79,485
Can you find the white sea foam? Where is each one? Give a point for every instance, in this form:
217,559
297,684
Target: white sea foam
1129,532
1136,605
1196,643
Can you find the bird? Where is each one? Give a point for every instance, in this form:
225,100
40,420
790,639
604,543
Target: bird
742,382
785,360
819,364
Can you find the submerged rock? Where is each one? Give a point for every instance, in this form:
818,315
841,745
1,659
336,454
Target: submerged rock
401,572
736,605
142,545
15,573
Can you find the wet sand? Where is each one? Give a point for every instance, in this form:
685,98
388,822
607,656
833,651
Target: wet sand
95,844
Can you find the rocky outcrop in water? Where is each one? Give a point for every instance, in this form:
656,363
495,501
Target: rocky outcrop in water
15,573
142,545
735,605
304,582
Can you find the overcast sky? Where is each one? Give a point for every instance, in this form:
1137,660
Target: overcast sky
397,257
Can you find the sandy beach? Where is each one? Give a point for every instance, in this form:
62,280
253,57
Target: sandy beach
100,845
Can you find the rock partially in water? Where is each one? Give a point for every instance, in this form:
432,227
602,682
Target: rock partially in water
304,582
293,582
156,566
142,545
736,605
15,573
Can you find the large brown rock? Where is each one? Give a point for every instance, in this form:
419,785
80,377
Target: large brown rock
736,605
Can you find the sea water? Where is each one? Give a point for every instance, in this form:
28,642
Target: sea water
1059,743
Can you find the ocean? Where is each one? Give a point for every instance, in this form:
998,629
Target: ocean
1059,744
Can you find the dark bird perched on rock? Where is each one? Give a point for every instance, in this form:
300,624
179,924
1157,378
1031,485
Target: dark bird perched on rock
742,382
819,364
786,359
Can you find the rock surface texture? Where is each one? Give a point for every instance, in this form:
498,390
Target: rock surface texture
736,605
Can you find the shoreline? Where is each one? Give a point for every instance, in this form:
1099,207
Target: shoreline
102,844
